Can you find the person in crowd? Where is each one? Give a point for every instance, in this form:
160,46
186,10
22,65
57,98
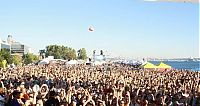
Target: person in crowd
16,101
52,101
84,85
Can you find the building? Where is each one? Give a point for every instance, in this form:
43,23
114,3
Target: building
17,47
4,45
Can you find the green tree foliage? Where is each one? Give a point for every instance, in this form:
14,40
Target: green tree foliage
82,54
30,58
16,59
61,52
5,55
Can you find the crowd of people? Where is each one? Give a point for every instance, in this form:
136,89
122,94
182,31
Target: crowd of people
105,85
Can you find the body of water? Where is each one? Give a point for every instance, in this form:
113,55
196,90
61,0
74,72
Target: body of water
189,65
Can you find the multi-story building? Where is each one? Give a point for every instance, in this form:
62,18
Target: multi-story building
4,45
18,48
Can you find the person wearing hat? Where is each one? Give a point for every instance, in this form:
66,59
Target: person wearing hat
52,101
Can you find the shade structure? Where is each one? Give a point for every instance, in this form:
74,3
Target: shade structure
71,62
148,65
43,62
164,66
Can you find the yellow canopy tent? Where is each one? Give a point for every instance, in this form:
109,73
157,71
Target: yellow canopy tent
163,65
148,65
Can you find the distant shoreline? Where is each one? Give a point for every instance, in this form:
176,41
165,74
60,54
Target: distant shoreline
185,65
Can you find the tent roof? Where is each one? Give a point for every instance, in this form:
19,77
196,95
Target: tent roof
163,65
44,61
72,62
148,65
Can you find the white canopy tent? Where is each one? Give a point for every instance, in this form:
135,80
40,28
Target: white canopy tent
71,62
43,62
98,62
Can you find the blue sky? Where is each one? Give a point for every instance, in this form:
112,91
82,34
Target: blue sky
129,28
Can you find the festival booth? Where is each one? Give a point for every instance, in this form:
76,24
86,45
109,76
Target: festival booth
162,67
148,66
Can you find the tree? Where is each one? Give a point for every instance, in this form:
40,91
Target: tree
61,52
52,50
5,55
69,53
82,54
16,59
30,58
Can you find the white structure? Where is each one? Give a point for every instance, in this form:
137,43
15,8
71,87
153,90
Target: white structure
4,45
10,39
43,62
98,60
72,62
18,48
46,60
